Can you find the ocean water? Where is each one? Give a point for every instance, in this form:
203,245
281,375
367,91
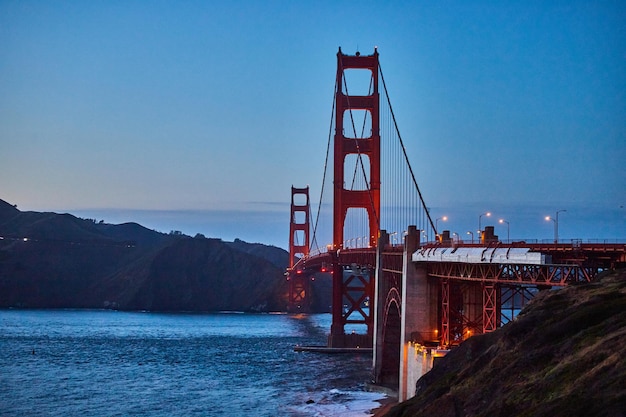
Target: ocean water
110,363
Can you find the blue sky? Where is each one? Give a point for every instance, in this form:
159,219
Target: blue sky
199,116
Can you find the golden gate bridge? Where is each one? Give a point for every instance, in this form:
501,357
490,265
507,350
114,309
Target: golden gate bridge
397,278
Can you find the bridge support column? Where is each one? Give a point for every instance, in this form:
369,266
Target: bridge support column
445,312
336,328
380,293
418,313
472,310
491,315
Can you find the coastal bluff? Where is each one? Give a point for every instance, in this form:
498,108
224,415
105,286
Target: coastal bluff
564,355
50,260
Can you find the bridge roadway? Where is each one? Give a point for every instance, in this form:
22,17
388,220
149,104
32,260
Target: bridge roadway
428,297
564,263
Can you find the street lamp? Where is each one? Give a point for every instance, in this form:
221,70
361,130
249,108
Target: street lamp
444,218
479,220
556,224
471,233
508,229
480,230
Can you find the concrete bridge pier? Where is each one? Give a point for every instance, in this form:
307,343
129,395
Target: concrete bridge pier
419,321
382,287
405,316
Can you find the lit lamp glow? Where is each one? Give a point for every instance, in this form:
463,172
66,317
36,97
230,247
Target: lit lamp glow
508,229
556,224
480,230
444,218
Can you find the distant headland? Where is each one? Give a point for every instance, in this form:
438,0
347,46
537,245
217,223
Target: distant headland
50,260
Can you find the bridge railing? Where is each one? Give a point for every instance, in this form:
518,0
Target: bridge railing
572,242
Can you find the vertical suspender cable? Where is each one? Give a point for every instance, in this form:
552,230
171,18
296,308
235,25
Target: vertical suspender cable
430,220
319,207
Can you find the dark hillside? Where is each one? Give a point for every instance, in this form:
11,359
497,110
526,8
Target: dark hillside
276,256
50,260
321,289
565,355
206,274
7,210
132,232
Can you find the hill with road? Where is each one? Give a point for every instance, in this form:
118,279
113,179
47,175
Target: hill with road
50,260
564,355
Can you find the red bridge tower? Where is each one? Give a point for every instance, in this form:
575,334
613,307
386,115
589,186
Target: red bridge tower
299,227
369,198
354,288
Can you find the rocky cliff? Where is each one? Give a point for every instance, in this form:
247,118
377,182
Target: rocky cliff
565,355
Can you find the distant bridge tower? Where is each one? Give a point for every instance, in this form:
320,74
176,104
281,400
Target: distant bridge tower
352,288
299,228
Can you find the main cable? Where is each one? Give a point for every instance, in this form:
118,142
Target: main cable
432,225
319,207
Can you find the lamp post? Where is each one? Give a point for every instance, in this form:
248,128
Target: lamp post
556,225
444,218
471,233
480,230
508,230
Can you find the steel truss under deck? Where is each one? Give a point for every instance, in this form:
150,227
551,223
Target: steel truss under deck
505,289
553,275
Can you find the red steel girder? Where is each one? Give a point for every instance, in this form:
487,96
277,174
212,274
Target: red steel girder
351,286
490,307
299,285
515,297
556,275
445,312
363,257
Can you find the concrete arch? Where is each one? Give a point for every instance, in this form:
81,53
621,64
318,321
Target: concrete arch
390,364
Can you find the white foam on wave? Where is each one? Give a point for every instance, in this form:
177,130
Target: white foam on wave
338,403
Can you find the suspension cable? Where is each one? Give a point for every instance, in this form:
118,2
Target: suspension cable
319,207
404,150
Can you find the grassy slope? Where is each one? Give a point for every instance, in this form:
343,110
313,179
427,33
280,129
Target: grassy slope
565,355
